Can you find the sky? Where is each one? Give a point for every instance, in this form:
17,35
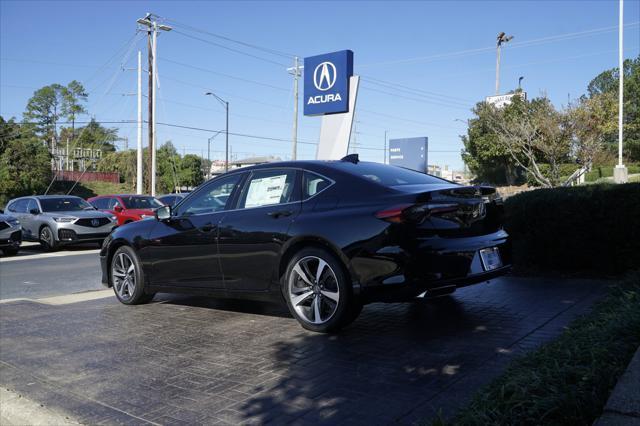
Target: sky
423,64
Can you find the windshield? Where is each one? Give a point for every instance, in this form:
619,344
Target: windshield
141,202
69,204
392,175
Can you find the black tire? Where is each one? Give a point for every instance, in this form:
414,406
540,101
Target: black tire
47,239
121,286
11,251
333,280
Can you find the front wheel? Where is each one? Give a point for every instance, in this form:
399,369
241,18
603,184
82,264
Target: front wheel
318,292
47,239
127,277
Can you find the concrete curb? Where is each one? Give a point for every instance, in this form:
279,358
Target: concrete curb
16,410
623,406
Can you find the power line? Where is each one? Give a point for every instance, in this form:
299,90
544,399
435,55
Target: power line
415,90
230,49
259,83
415,99
250,45
526,43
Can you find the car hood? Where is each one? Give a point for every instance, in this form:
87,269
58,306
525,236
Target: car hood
5,217
89,214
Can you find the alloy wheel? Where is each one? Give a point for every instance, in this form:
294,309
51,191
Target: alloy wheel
313,290
123,271
46,236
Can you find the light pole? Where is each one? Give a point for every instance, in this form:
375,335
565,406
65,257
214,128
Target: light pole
520,82
502,38
209,152
620,173
226,148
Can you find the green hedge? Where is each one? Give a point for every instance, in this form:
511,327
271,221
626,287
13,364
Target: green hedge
585,228
568,381
607,171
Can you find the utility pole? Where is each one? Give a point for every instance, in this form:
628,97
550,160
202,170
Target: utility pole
385,146
139,172
620,173
502,38
151,23
296,72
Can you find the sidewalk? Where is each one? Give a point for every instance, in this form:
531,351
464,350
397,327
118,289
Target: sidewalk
623,407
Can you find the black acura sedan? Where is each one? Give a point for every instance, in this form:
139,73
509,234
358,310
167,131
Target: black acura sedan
327,236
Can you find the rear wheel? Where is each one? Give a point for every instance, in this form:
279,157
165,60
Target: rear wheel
47,239
127,277
318,292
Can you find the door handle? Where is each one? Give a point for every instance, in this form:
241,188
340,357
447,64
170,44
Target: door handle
280,213
207,227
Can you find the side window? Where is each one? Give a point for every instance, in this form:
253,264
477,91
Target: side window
269,187
31,205
19,206
212,198
99,203
312,184
111,203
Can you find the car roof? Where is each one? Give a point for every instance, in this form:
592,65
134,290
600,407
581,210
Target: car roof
312,165
50,197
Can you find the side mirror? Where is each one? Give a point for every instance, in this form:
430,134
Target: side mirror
118,209
163,213
34,211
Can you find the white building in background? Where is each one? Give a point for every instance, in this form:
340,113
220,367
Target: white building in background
448,174
217,167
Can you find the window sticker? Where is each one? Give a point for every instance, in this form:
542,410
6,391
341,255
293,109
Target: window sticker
265,191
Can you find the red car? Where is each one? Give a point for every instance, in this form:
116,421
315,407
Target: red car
127,208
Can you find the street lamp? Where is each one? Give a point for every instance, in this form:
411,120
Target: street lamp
520,82
502,38
226,149
209,152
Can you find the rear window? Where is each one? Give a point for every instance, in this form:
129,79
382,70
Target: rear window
392,175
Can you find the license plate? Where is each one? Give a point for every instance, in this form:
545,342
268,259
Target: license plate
490,258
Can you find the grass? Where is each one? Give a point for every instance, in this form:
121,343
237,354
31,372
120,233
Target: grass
567,381
90,189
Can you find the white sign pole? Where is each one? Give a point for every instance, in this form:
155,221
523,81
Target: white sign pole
335,130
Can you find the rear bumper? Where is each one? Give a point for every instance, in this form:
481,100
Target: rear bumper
400,273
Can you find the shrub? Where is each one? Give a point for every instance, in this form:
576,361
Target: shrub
599,172
586,228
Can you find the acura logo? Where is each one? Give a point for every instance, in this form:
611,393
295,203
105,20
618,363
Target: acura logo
324,76
95,223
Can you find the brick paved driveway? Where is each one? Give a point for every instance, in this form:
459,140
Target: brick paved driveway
189,360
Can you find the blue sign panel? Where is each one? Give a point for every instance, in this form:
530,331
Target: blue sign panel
326,83
410,153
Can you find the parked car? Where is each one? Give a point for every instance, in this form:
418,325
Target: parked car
127,208
55,220
327,236
172,199
10,234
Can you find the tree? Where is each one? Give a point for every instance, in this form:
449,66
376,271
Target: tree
122,162
44,109
191,170
9,130
488,160
604,87
73,98
25,163
535,133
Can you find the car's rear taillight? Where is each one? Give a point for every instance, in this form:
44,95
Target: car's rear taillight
414,213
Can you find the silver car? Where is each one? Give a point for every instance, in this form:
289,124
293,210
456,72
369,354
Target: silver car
54,220
10,234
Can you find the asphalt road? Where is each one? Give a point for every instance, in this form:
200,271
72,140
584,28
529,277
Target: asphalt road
34,274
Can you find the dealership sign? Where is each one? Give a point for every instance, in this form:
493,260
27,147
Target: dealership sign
410,153
326,83
500,101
